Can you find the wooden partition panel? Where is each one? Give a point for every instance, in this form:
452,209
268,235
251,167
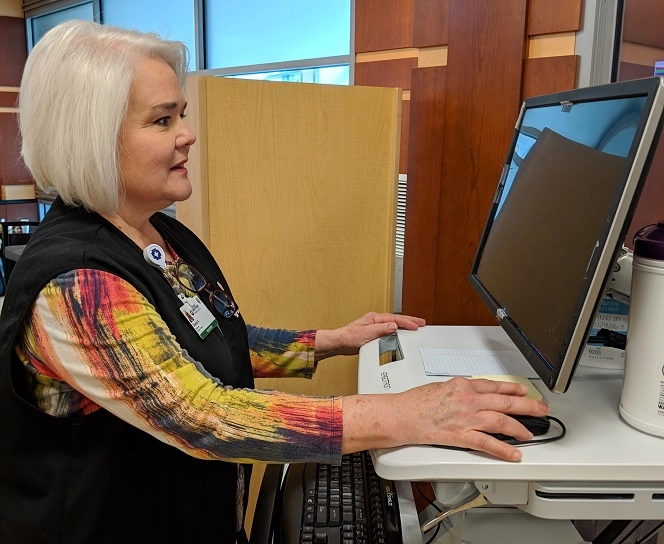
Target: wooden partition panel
295,191
301,184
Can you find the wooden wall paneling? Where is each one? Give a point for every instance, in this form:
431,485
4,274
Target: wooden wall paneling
650,208
430,23
385,73
485,70
381,25
8,99
425,169
13,50
628,70
643,22
553,16
547,75
16,212
12,169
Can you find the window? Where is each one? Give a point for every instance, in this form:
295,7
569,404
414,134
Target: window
40,21
293,40
170,20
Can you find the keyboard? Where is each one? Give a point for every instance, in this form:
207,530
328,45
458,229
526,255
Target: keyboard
346,504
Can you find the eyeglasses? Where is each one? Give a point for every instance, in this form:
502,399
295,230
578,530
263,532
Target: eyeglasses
194,282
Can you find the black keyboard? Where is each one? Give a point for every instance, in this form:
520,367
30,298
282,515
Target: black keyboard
347,504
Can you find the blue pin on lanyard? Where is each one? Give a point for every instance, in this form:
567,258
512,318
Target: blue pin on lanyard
155,255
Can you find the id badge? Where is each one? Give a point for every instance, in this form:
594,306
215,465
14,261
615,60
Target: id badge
198,315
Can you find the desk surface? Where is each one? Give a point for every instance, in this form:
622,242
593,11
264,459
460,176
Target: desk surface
14,252
599,445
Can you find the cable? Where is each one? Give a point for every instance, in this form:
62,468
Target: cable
446,522
427,499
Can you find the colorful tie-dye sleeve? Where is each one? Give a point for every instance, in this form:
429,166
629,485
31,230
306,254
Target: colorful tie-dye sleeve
93,340
278,353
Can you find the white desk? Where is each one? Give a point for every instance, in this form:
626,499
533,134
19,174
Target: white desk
602,468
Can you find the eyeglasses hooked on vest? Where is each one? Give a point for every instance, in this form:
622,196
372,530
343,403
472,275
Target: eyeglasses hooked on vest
192,281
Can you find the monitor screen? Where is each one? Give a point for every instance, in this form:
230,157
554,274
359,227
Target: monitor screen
572,177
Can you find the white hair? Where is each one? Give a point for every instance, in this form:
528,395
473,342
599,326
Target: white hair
73,99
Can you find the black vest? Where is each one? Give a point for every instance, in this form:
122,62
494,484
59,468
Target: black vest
96,479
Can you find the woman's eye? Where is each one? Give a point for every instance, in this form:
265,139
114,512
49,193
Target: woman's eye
164,121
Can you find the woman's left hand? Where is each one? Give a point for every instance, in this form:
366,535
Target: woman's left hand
349,339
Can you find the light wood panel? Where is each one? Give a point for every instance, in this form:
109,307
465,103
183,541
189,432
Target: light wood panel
297,187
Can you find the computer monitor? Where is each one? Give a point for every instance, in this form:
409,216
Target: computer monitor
573,174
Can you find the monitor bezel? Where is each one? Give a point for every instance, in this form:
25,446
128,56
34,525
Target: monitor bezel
557,376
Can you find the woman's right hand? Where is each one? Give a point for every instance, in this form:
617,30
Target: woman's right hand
458,412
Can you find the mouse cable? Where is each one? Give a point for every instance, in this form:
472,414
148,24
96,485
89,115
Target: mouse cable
515,442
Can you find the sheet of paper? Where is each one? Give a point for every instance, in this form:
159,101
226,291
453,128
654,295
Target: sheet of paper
475,362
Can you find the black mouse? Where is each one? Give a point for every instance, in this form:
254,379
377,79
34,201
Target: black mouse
537,425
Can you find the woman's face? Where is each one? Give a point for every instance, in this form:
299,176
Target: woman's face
154,141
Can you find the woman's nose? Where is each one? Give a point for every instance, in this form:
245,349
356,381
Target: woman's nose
186,137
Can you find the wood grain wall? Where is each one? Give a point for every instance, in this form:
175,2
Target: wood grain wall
13,54
466,66
643,44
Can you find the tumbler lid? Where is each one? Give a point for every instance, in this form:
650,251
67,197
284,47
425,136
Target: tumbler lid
649,242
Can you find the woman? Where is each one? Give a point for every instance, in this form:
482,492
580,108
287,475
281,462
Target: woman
126,382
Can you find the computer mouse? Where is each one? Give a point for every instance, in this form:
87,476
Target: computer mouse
537,425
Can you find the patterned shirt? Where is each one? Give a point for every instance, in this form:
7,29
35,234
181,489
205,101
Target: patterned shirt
108,347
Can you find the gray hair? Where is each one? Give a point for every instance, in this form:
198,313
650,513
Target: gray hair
73,99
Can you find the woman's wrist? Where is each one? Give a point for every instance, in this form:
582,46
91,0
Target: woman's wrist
325,344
